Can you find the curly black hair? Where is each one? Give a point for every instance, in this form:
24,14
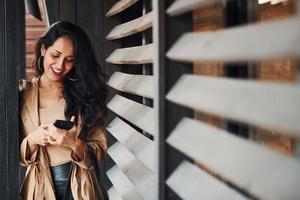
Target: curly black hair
85,90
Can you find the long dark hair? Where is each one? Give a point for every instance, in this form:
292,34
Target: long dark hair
84,90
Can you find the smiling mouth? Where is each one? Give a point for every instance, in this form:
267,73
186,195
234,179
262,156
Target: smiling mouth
57,71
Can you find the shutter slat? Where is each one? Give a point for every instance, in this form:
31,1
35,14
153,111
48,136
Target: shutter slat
139,175
254,168
131,27
199,185
253,42
139,145
122,185
113,195
136,113
119,7
182,6
141,85
269,105
132,55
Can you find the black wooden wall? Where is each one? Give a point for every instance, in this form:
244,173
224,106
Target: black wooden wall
11,69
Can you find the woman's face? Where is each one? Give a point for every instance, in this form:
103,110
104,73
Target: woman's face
58,59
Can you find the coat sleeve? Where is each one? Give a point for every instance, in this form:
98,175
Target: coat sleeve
24,158
97,141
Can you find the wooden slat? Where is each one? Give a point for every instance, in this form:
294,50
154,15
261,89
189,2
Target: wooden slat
34,32
147,156
253,42
182,6
119,7
132,55
139,175
260,171
131,27
136,113
30,44
122,185
139,145
269,105
128,136
32,21
113,195
141,85
199,185
29,60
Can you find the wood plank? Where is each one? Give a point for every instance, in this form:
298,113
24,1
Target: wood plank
132,55
139,175
139,145
32,21
122,185
113,195
29,60
258,170
199,185
119,7
182,6
12,43
30,44
128,136
129,28
141,85
251,43
269,105
138,114
34,32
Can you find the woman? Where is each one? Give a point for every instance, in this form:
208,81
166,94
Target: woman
70,87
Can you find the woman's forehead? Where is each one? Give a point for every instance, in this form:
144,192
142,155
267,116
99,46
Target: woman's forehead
63,45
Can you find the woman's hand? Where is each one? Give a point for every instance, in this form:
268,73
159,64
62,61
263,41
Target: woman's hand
65,138
62,137
38,137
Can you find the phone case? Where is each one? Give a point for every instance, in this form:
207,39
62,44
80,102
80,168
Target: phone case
63,124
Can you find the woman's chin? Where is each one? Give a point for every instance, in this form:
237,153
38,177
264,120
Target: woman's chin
55,78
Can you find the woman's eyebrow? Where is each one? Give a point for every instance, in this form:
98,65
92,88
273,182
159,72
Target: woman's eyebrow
61,53
57,51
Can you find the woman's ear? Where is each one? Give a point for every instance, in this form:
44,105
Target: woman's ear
43,50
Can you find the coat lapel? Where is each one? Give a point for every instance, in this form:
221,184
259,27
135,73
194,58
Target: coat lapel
32,103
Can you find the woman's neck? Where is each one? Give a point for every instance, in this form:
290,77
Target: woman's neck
48,84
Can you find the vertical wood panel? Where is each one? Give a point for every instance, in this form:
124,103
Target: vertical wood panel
98,32
13,19
68,10
174,28
85,16
2,97
53,10
11,55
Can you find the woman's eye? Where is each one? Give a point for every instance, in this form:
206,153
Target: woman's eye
55,56
70,60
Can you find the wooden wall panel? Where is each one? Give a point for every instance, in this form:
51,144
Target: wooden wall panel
280,70
11,68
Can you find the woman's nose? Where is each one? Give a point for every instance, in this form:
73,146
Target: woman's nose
60,62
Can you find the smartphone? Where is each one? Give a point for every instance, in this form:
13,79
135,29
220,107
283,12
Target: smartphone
63,124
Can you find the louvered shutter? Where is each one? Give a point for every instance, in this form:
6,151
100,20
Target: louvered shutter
134,173
220,165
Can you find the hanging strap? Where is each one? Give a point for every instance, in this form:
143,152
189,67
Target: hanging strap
103,195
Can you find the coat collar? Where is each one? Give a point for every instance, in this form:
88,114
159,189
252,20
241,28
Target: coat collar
32,105
32,102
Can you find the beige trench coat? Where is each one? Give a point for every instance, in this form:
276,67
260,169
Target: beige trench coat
38,183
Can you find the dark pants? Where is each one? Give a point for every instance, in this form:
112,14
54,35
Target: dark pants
61,177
